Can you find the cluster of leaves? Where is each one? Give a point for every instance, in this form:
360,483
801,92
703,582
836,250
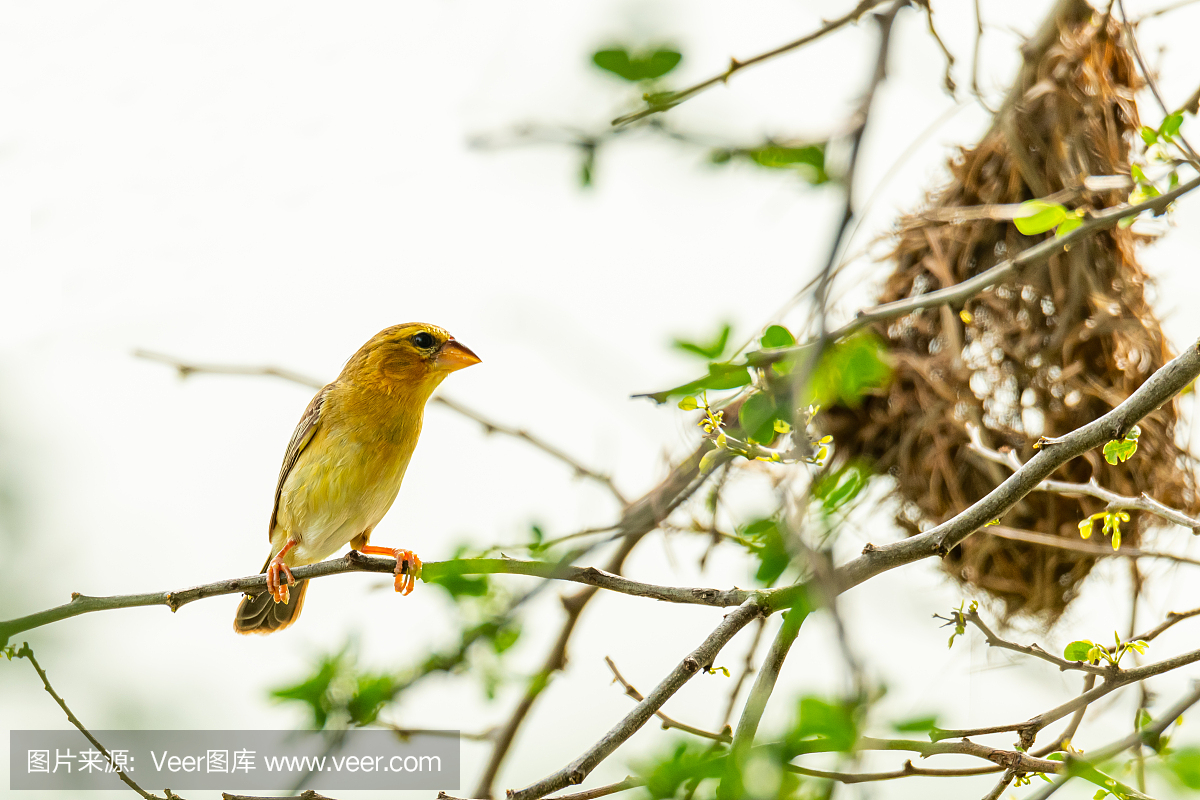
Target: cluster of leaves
845,373
959,621
1112,525
1084,650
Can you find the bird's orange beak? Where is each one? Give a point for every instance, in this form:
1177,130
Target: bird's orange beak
454,356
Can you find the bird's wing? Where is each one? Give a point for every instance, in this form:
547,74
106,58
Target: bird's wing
300,439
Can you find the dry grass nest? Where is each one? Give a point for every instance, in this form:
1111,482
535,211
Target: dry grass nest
1043,354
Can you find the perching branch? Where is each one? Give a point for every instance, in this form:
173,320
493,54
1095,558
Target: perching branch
354,561
187,368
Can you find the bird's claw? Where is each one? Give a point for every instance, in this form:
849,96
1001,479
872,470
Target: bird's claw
408,569
277,587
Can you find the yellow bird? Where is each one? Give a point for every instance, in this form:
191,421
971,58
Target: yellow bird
345,462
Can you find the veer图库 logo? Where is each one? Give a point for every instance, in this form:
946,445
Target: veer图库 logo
224,760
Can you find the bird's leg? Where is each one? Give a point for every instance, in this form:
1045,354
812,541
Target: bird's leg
277,588
408,566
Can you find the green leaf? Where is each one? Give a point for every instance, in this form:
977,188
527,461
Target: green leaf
1184,764
666,775
916,725
808,161
688,404
1119,451
758,415
836,489
459,586
1069,224
711,351
831,723
849,369
505,638
777,336
1170,125
1149,135
1078,651
1038,216
314,690
587,167
644,66
371,692
766,541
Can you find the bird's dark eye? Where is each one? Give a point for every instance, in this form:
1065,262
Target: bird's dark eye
423,340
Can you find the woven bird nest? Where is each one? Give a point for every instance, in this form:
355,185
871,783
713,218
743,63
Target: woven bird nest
1050,350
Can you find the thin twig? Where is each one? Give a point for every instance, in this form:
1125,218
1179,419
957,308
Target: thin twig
1032,650
1079,546
667,722
907,771
602,791
735,66
1153,84
187,368
27,653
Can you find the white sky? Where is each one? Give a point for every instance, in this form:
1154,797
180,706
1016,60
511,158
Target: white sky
275,182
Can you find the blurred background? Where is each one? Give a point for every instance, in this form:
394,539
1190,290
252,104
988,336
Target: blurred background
273,183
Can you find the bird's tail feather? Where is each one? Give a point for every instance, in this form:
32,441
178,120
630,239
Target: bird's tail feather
260,613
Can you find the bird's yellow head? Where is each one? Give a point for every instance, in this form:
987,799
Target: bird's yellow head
412,356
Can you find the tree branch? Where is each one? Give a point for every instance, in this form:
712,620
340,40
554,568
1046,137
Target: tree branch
1079,546
1115,501
1158,389
1037,254
638,519
356,562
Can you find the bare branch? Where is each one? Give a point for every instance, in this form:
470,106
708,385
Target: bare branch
1080,546
27,653
907,771
1032,650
